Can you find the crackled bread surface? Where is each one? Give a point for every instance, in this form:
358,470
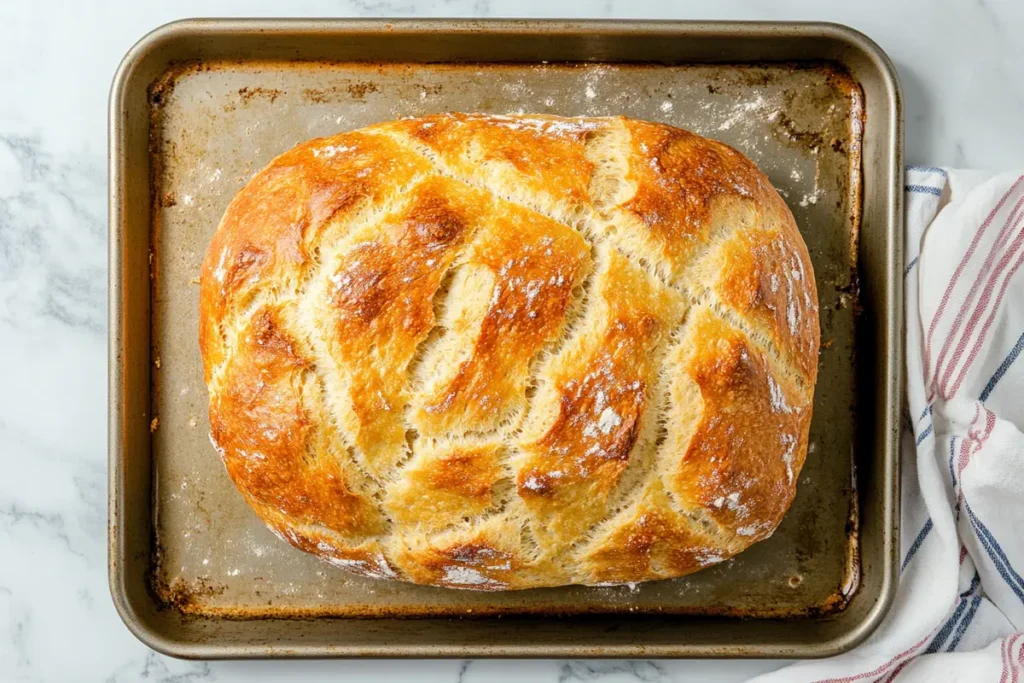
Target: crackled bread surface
505,352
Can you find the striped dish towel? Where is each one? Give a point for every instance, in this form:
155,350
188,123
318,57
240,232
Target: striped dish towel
959,611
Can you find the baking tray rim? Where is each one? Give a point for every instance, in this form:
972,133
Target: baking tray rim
890,394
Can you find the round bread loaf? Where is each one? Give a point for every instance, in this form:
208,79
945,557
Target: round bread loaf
503,352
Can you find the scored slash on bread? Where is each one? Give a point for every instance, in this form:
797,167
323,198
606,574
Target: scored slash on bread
505,352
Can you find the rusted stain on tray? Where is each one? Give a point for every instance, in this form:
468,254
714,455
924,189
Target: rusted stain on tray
248,94
356,91
191,601
212,558
185,596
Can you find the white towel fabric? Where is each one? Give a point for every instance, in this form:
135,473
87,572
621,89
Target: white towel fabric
959,611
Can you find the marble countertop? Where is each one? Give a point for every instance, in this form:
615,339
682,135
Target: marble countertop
57,623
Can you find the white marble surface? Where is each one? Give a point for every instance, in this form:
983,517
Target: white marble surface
963,98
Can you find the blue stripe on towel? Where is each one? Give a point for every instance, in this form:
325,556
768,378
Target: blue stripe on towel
923,189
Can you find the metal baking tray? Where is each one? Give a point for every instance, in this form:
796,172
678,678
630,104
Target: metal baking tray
198,106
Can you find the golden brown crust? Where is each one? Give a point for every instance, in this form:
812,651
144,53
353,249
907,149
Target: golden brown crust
749,442
599,409
444,485
274,444
372,305
268,229
678,176
502,352
534,263
761,275
544,154
649,540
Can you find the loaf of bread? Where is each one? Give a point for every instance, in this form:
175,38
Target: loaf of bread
505,352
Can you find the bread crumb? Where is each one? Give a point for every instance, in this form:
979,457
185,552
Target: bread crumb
154,424
156,362
195,280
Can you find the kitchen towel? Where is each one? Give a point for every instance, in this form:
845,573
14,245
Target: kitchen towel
959,610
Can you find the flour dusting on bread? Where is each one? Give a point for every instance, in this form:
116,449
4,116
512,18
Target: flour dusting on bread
503,352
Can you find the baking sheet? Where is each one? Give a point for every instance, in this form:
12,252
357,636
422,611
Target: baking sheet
194,573
216,124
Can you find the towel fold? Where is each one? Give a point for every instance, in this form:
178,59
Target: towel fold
959,610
